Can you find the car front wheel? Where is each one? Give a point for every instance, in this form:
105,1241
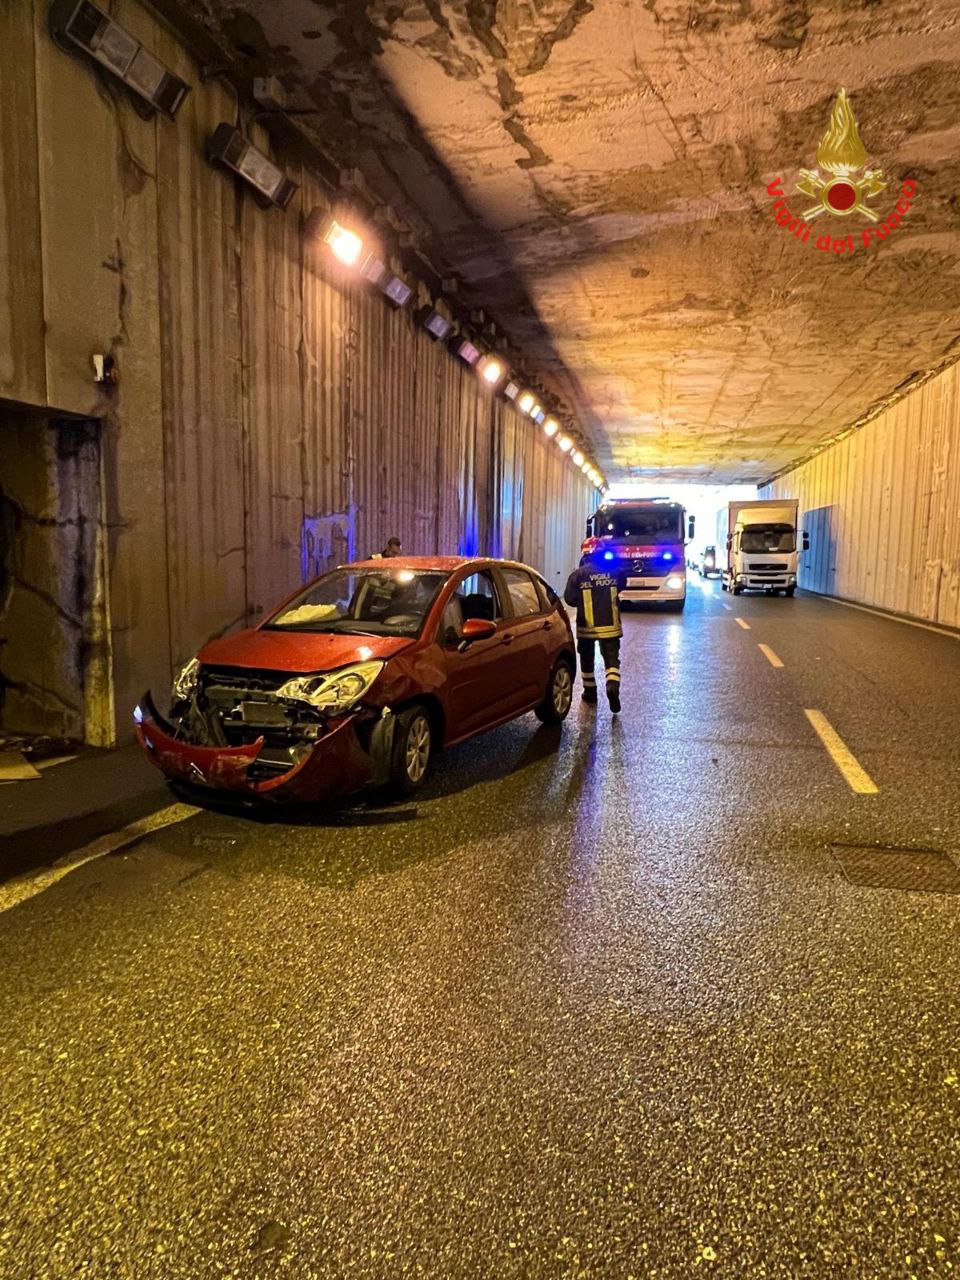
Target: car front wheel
412,749
555,706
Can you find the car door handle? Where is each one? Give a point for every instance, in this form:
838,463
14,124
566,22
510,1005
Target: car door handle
548,626
507,640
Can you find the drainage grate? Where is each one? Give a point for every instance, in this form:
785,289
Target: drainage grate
879,867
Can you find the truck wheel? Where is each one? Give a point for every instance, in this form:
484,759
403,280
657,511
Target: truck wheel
412,749
556,703
790,591
736,589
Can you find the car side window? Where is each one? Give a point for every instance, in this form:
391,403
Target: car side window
550,597
478,598
451,623
524,596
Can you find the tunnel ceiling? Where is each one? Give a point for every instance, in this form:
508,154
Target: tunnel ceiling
598,173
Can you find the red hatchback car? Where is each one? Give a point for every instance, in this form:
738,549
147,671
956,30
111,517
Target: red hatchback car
360,677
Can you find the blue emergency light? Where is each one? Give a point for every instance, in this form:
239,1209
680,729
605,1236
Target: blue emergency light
608,555
668,555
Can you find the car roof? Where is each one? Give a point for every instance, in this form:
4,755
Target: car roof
441,564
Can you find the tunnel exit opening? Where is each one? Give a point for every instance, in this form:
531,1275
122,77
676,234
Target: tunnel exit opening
55,678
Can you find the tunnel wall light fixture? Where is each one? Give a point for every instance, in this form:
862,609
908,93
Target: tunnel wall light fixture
77,24
345,245
538,414
437,326
510,390
526,401
491,370
565,443
465,350
228,147
551,426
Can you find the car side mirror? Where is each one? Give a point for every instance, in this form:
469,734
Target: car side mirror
806,542
729,541
475,629
691,526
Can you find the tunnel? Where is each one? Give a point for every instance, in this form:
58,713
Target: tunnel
479,619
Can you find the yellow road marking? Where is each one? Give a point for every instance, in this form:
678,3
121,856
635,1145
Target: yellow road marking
740,623
841,755
770,656
24,887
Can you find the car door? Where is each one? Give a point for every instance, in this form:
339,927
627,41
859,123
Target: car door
527,637
480,689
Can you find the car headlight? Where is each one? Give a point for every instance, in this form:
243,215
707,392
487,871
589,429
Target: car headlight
674,582
333,692
185,683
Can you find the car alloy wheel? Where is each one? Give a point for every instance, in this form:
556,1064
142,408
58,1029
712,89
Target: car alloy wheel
561,692
417,755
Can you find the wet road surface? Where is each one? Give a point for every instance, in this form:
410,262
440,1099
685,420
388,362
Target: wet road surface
602,1003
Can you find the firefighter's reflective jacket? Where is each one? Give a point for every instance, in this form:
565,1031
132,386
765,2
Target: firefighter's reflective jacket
595,594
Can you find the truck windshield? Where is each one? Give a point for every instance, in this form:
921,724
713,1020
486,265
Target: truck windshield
646,524
768,537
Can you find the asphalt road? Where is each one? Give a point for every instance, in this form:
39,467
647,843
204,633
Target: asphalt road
603,1003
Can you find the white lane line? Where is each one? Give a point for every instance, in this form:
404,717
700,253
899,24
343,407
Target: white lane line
856,776
728,607
740,623
26,886
891,617
770,656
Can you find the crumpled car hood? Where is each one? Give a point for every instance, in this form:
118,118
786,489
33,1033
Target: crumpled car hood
298,651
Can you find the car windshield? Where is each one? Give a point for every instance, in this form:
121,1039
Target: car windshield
768,537
379,602
646,524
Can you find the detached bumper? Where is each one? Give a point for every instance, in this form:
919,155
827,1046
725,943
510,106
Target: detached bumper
336,764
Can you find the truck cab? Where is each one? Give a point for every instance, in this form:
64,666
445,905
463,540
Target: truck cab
643,540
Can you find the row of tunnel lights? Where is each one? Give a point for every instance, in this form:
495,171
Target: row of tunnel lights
349,248
79,25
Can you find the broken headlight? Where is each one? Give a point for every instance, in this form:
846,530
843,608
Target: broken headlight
334,691
185,683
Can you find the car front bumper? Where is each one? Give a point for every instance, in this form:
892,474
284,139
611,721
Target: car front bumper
652,589
335,765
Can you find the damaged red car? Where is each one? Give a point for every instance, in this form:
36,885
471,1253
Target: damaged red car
361,677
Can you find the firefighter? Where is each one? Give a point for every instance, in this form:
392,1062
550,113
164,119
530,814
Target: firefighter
392,549
594,590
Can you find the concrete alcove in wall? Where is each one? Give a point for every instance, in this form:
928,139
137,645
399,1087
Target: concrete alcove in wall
54,655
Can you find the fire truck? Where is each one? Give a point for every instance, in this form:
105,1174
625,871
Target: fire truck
643,540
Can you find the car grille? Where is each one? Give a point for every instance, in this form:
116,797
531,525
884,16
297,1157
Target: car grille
767,568
243,679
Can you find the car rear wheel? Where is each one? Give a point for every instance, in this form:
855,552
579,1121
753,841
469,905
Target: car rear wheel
412,750
556,705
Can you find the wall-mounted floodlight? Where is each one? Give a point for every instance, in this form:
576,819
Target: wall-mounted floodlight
396,291
551,426
345,245
538,414
526,402
77,24
565,443
438,326
510,390
231,149
578,458
465,350
491,370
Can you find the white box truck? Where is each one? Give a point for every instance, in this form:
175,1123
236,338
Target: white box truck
758,542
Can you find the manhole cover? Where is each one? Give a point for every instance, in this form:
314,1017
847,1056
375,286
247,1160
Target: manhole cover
879,867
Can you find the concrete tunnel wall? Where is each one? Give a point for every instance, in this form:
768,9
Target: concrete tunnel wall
269,420
882,507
